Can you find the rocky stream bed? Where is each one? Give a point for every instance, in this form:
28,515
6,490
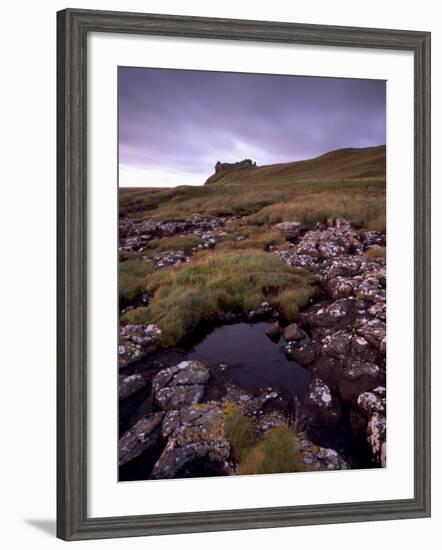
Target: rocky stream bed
327,369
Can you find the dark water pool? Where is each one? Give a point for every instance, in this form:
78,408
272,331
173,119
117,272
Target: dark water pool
253,360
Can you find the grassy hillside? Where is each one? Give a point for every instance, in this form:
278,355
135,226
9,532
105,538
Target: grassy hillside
346,182
239,273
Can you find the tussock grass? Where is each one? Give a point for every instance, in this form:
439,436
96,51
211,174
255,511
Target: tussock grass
132,280
276,453
241,433
186,296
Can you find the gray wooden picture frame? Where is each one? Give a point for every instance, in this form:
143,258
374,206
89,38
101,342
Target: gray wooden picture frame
73,27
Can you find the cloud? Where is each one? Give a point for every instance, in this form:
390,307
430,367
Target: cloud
174,124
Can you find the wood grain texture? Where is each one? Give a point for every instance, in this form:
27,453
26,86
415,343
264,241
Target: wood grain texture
72,29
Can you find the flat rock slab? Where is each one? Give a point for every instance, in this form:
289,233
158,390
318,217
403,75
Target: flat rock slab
140,438
180,386
194,433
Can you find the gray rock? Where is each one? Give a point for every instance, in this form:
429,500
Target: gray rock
358,377
199,436
141,438
374,331
320,458
128,385
180,385
137,341
322,407
373,406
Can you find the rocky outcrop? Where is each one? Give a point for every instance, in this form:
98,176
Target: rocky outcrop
290,230
141,438
136,341
179,386
373,406
195,435
226,166
131,384
273,331
264,312
293,332
321,405
347,329
134,235
316,458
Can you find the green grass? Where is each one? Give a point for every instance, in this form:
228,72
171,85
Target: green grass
186,296
181,242
132,280
239,274
241,433
276,453
348,183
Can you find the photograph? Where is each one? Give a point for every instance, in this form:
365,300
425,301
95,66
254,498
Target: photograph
252,273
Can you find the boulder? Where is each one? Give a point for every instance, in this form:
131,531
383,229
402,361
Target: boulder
180,385
141,438
358,377
289,230
337,344
197,436
374,331
303,354
137,341
316,458
265,311
321,406
128,385
273,331
373,406
293,332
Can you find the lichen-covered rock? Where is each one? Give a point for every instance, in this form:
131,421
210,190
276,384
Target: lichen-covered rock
196,434
270,420
358,377
136,341
320,404
373,406
170,257
289,230
337,344
263,396
180,385
373,330
141,438
304,354
128,385
316,458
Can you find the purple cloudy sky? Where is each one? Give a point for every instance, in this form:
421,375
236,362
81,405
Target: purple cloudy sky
174,125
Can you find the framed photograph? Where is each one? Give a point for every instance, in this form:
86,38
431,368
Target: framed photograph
243,224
